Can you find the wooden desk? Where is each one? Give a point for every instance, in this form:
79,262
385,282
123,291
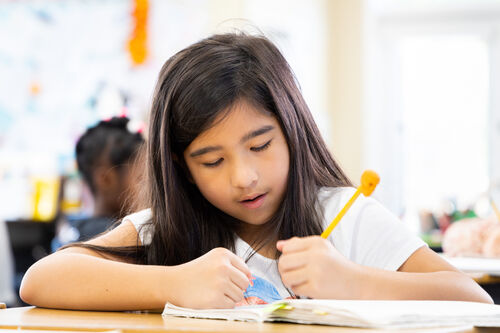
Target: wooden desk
31,318
485,279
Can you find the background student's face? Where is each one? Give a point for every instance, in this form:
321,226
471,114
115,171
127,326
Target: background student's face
244,156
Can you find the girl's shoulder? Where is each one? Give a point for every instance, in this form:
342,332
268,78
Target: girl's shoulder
332,199
141,220
368,234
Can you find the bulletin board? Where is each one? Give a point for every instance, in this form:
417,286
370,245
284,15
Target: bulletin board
65,65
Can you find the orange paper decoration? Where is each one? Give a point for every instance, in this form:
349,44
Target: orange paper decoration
34,88
137,44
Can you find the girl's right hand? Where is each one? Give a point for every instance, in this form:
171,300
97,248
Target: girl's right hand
217,279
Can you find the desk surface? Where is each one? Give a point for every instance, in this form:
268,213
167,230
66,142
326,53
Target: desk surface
31,318
490,266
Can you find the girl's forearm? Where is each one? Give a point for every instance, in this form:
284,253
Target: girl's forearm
79,281
443,285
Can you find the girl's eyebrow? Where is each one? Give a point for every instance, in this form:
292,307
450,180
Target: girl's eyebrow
255,133
246,137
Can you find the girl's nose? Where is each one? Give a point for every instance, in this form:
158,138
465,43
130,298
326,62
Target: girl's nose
243,176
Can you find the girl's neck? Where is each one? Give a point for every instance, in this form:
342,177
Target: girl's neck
252,234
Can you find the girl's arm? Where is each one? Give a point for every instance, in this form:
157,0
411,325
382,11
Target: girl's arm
312,267
78,278
424,275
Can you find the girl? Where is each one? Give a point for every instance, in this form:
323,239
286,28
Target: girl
239,186
105,156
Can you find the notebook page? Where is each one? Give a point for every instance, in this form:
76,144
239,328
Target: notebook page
354,313
392,313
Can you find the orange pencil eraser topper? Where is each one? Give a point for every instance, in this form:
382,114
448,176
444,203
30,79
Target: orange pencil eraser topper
369,180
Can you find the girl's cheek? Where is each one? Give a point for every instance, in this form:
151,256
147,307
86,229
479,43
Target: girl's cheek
214,191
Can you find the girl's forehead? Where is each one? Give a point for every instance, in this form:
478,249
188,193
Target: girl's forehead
234,122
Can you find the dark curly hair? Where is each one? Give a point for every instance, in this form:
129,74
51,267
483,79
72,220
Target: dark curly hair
109,141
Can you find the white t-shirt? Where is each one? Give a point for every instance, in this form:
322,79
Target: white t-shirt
368,235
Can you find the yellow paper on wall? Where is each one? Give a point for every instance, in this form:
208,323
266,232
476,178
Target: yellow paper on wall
45,198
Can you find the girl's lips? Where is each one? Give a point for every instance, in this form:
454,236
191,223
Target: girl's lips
255,203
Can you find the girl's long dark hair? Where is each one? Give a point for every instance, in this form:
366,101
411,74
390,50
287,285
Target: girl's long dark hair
194,87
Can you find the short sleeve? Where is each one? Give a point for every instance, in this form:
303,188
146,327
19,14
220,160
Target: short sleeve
140,220
369,234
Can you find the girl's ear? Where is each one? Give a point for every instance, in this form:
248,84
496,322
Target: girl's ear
183,166
105,179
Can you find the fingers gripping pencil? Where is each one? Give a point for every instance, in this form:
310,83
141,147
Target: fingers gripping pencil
369,180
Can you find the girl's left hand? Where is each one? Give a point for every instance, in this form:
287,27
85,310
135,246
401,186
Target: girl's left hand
312,267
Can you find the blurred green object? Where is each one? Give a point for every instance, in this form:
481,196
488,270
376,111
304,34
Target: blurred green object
433,239
457,215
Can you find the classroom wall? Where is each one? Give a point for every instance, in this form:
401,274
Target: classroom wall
222,10
344,84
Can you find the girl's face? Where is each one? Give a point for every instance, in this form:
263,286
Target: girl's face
241,164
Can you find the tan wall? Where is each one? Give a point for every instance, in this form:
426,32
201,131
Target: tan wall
223,10
344,79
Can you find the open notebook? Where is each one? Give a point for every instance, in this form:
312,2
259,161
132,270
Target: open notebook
369,314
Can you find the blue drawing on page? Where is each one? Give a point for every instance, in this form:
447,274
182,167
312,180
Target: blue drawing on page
262,292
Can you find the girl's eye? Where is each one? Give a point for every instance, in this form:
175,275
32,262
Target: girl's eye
213,164
263,147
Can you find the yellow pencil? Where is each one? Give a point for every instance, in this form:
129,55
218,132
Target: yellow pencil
369,180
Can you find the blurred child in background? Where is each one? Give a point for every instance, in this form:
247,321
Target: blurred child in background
105,156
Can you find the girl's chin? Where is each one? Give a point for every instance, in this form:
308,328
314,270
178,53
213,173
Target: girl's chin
254,218
255,221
